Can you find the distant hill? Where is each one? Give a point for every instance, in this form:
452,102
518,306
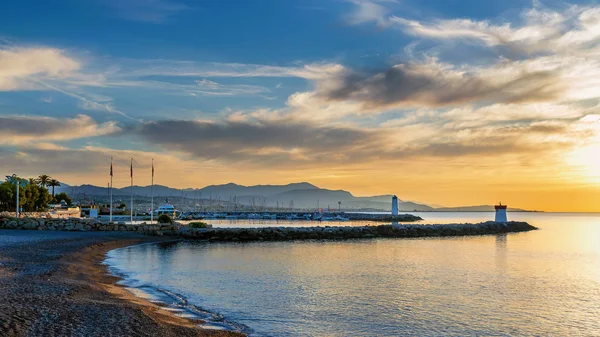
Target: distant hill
303,195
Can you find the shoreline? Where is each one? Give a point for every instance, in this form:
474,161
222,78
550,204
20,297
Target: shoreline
54,282
168,302
61,287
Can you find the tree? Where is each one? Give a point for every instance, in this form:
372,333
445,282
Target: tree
34,198
31,197
44,180
62,196
7,196
53,183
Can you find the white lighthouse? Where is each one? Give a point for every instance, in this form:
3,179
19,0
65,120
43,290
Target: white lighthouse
394,205
501,213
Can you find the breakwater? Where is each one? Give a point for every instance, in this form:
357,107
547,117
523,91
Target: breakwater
270,233
350,232
85,225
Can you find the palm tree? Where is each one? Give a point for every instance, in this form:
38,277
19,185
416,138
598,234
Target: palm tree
53,183
43,180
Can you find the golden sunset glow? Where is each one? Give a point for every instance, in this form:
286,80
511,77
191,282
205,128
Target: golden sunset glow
468,112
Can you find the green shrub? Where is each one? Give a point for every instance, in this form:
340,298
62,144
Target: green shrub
197,224
164,218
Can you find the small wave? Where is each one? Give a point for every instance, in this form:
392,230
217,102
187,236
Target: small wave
173,302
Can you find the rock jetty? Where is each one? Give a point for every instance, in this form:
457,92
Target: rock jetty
270,233
350,232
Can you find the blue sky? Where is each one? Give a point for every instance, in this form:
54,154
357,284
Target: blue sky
337,92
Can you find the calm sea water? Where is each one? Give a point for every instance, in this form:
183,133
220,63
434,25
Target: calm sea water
540,283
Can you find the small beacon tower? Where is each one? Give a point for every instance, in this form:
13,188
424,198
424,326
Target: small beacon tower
394,205
501,213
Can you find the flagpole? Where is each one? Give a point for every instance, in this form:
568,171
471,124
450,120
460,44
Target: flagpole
131,173
110,189
152,195
17,210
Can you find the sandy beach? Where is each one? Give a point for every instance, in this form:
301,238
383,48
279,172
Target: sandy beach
53,284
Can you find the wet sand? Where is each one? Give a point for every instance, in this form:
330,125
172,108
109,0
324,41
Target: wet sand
53,284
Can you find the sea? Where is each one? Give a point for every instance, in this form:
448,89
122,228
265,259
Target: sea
538,283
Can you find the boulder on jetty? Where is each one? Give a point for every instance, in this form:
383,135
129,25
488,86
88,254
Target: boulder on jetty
269,233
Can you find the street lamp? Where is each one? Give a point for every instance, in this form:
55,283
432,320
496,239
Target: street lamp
14,179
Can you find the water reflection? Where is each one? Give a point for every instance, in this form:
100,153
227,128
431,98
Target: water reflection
545,283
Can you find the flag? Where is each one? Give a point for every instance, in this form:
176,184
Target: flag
152,167
111,170
131,168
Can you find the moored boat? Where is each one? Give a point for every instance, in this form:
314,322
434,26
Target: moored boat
169,210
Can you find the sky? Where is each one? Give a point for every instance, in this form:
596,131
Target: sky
447,102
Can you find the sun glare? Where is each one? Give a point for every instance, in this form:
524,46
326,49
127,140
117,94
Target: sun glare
586,161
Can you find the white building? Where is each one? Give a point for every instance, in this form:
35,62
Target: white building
394,205
501,213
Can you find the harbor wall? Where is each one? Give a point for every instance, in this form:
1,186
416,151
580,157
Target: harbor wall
84,225
269,233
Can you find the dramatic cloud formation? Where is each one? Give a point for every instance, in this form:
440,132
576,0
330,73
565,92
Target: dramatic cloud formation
21,129
298,143
487,105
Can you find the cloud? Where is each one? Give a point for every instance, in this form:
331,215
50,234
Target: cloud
151,11
436,84
146,68
202,87
27,129
368,11
284,141
22,67
537,30
256,140
90,164
51,69
542,30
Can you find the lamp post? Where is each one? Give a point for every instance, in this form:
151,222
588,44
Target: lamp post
14,179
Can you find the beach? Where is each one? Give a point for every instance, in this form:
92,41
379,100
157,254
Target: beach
54,284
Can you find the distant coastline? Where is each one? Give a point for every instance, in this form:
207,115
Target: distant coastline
301,196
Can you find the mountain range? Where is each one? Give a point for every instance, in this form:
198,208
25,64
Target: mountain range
301,195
